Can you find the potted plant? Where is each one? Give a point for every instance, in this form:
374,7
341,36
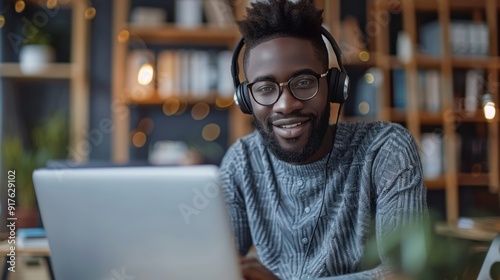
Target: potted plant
49,141
36,53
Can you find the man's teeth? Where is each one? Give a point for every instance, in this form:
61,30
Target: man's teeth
291,125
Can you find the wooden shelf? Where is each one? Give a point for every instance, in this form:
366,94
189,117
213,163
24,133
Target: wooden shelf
464,179
171,34
477,179
431,118
187,98
475,62
53,71
433,5
476,117
435,184
399,115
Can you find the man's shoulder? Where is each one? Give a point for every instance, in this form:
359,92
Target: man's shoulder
242,148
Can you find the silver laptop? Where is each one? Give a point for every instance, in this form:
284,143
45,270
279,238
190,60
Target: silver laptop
137,223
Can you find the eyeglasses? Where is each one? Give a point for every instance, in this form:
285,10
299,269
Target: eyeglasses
302,86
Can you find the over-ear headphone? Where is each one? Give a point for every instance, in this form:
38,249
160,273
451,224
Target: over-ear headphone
338,81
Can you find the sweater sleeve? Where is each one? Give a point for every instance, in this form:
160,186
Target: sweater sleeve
231,170
400,204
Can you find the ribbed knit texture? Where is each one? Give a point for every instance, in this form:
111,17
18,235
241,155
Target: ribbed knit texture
374,175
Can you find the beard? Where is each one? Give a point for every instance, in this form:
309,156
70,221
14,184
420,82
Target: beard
318,131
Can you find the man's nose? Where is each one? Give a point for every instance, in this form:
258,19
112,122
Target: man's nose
287,103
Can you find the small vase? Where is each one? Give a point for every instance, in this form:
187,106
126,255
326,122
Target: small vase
34,59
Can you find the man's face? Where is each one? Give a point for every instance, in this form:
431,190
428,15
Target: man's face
293,129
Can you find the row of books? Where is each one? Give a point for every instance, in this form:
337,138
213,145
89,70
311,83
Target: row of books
472,154
467,38
428,92
181,73
468,86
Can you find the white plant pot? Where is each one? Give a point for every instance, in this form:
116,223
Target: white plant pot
34,59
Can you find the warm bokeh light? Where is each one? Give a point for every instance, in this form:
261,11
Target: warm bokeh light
489,110
364,108
364,56
223,103
51,4
200,111
171,106
123,36
146,125
2,21
211,132
90,13
20,5
145,74
369,78
138,139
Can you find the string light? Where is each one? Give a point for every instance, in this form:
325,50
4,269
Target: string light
123,36
51,4
489,107
20,5
364,56
200,111
138,139
90,13
145,74
211,132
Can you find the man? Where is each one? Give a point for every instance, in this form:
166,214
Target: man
306,194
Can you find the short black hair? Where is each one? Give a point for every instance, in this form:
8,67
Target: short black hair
282,18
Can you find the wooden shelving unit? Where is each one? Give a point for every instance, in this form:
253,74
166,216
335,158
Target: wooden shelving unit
166,34
76,71
448,118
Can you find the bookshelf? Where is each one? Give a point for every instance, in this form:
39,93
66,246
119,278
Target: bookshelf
379,39
74,71
169,36
451,119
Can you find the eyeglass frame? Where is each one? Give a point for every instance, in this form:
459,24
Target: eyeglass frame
281,85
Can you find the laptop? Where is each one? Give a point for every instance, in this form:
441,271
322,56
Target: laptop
137,223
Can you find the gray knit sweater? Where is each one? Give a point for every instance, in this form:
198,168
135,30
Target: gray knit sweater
374,176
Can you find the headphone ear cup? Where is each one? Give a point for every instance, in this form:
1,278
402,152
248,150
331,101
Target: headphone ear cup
242,98
338,87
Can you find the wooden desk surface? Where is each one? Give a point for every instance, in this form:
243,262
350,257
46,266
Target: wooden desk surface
469,234
5,249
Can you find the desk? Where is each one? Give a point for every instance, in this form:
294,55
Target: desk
464,233
43,252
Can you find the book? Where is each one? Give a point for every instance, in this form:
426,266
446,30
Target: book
399,87
473,90
31,238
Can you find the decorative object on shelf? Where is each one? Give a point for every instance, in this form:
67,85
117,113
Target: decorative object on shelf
173,153
404,47
473,88
148,16
188,13
432,155
36,53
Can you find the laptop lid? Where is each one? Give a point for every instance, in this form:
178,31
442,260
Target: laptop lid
137,223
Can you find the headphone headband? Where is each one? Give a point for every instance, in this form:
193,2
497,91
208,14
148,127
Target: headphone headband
338,85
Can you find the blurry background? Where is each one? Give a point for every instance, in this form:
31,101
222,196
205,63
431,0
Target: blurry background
148,83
